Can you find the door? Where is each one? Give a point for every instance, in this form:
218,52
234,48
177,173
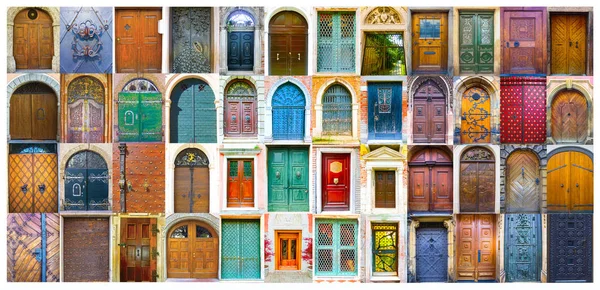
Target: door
139,43
288,246
523,40
33,247
385,249
335,179
430,181
240,250
86,182
429,114
140,112
432,253
33,44
241,112
385,110
138,250
193,113
523,110
570,182
192,182
33,113
86,249
336,247
522,182
476,242
288,109
337,111
288,41
383,53
240,183
477,181
288,179
430,42
475,117
193,251
385,189
570,248
569,123
336,42
85,112
476,45
569,42
523,248
191,39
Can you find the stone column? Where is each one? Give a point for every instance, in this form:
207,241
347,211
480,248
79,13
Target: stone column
449,224
167,128
10,60
257,52
412,250
56,56
223,51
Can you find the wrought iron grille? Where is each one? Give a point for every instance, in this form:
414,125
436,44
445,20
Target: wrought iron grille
191,157
288,113
240,90
385,248
384,54
139,85
202,232
85,87
34,88
180,232
336,42
31,148
337,247
337,111
86,160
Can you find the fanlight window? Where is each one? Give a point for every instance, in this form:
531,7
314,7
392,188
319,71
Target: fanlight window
180,232
240,18
139,86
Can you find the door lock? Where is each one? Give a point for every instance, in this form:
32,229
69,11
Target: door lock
478,256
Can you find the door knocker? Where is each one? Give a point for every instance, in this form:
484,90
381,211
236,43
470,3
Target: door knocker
298,174
336,180
24,188
277,174
146,185
41,114
42,188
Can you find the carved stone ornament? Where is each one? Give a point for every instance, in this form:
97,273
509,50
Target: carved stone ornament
384,15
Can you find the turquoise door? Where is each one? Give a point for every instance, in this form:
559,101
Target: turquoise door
193,113
140,112
523,242
240,249
336,247
288,179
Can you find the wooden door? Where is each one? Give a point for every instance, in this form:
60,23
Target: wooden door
192,182
288,250
570,248
522,182
86,249
138,250
477,181
432,253
430,181
430,42
569,43
476,242
240,183
33,44
570,182
523,110
240,50
569,122
191,39
385,248
335,179
385,110
336,41
240,249
193,251
33,180
385,189
193,113
288,109
241,112
288,179
33,113
140,112
86,182
429,113
475,117
139,44
524,40
523,247
476,44
288,41
85,110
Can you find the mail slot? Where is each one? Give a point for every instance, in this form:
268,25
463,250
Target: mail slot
429,53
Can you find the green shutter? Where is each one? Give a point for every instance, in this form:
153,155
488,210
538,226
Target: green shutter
336,41
336,247
240,249
288,179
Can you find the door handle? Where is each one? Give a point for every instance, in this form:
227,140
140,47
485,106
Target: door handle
42,188
278,56
298,56
137,252
507,45
576,44
570,43
478,256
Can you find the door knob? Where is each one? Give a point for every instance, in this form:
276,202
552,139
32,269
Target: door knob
576,44
24,189
517,44
137,252
42,188
570,43
118,39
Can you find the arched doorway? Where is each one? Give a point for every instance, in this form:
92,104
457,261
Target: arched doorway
241,110
140,112
193,114
337,111
570,181
85,110
569,122
429,113
192,182
86,182
475,116
33,44
288,107
288,42
240,41
430,181
192,251
33,112
477,180
522,182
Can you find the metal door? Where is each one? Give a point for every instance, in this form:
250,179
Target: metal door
191,39
337,111
476,242
335,182
193,251
522,182
430,181
569,122
140,112
429,113
475,117
569,43
385,110
570,248
86,249
336,247
33,113
523,248
240,110
432,253
288,179
33,44
240,250
524,40
570,182
138,250
477,181
336,42
288,105
86,182
430,42
240,183
193,113
523,110
476,48
288,39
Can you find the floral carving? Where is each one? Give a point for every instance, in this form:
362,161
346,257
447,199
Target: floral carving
384,15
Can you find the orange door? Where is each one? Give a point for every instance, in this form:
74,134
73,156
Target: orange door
288,250
475,247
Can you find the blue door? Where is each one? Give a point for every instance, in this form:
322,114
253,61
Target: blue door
523,253
240,252
432,253
193,113
385,111
288,107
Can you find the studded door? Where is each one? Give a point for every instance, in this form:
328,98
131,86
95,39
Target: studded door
140,112
288,107
569,43
33,113
430,42
240,249
477,181
139,44
523,110
569,113
523,247
476,242
191,39
193,113
193,251
192,182
86,249
33,44
429,113
524,40
570,248
240,183
430,181
240,110
85,113
336,42
288,179
86,182
475,116
288,40
476,46
385,110
522,182
432,253
570,182
335,182
138,250
336,247
337,111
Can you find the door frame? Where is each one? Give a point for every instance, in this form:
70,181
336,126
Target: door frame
589,66
319,189
385,158
401,240
298,249
258,69
309,39
413,223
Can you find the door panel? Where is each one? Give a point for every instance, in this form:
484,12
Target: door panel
288,250
139,44
476,247
522,182
192,190
475,118
20,123
86,251
569,42
240,50
240,183
288,179
193,99
45,176
569,117
43,107
430,181
336,182
385,110
33,39
524,40
570,182
336,42
126,47
429,114
432,253
385,189
21,183
151,117
523,247
240,251
385,249
192,249
138,259
430,42
191,40
476,50
570,248
288,32
523,110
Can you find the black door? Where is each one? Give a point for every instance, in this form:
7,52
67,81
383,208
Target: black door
86,182
570,248
240,50
432,253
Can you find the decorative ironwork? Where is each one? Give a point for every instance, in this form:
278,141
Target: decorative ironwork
288,107
336,38
385,248
85,87
240,18
477,154
31,148
523,247
191,157
337,111
32,14
432,253
570,247
337,247
240,90
86,41
180,232
202,232
383,15
139,85
86,160
191,39
384,54
475,115
34,88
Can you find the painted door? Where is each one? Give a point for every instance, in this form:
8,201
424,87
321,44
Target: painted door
432,253
33,247
337,111
288,108
476,242
383,53
336,42
569,113
475,117
193,113
336,247
429,114
523,248
86,249
240,250
335,182
139,43
193,251
240,50
385,249
385,110
288,41
192,182
430,42
288,179
523,40
140,112
522,182
288,248
430,181
241,112
570,182
385,189
569,42
85,113
570,248
33,113
523,110
138,250
191,39
477,181
240,183
33,44
86,182
476,48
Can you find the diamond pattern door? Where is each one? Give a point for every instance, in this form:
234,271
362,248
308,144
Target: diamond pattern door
570,248
522,182
523,247
288,179
432,253
336,42
336,247
522,110
477,181
524,36
240,251
288,107
138,250
569,122
475,117
570,182
569,43
430,42
191,39
476,42
476,247
33,180
193,114
385,110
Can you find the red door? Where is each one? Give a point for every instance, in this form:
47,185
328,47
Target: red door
240,183
336,182
522,110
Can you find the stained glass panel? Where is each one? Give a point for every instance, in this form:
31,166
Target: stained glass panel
385,249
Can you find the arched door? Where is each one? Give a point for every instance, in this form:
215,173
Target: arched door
193,113
522,182
429,113
140,112
288,107
193,251
475,116
241,112
192,182
430,181
337,111
86,182
85,113
570,182
240,41
288,41
33,113
477,181
569,117
33,44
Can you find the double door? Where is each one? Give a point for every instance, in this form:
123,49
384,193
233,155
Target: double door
385,110
86,182
477,181
288,250
139,43
476,44
240,50
523,40
523,247
476,243
193,251
138,250
33,182
569,42
432,253
140,117
570,182
523,110
288,179
288,38
33,113
240,251
240,183
570,248
429,114
33,44
430,42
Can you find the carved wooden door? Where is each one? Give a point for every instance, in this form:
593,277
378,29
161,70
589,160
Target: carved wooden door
86,182
33,44
570,182
569,43
139,44
430,41
523,247
288,254
193,251
569,122
288,41
385,189
432,253
288,108
191,39
522,182
240,183
476,242
429,113
193,113
86,249
523,40
85,113
476,44
241,112
192,182
477,181
138,250
385,110
288,179
240,249
33,113
430,181
140,112
335,182
475,117
570,248
523,110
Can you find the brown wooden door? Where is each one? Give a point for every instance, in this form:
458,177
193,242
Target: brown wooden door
477,181
475,117
569,42
522,182
430,181
192,190
570,182
33,45
429,114
33,113
385,189
288,250
86,252
430,42
193,251
241,114
476,247
569,117
33,182
240,183
335,182
139,45
288,33
138,250
523,40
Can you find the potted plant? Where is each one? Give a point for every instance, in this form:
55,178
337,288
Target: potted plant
307,255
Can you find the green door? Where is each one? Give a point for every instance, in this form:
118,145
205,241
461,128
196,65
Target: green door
140,112
240,249
288,179
336,247
476,42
